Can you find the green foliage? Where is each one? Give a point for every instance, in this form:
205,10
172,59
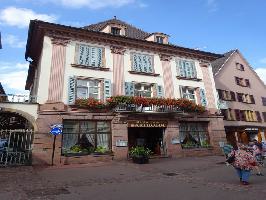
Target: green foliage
100,149
139,151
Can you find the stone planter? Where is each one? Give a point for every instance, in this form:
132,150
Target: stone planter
140,160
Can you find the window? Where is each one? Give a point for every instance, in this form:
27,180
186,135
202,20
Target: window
226,95
240,66
194,135
143,90
245,98
142,63
242,82
258,116
229,114
263,101
188,93
84,137
159,39
264,116
88,89
90,56
115,30
186,69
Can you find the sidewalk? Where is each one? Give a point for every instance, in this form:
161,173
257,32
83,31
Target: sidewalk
167,179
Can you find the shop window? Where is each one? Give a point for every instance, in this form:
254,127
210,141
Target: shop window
194,135
86,137
142,63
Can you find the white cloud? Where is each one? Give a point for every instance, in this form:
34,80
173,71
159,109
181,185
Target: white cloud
212,5
262,73
13,41
92,4
263,60
21,17
13,76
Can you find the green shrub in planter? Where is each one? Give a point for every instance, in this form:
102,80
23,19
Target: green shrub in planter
140,154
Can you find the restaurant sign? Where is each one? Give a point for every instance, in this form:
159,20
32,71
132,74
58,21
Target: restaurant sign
146,124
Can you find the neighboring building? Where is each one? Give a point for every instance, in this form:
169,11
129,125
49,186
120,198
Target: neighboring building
242,96
3,96
113,58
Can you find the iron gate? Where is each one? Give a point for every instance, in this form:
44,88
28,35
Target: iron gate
15,147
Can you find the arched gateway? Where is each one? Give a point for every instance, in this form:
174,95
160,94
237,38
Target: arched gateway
16,136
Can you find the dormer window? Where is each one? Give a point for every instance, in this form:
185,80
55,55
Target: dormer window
115,31
159,39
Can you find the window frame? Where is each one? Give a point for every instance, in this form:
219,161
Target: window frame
114,30
240,66
142,90
189,133
159,39
88,80
95,133
187,88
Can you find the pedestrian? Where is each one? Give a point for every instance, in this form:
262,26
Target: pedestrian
243,161
227,149
256,150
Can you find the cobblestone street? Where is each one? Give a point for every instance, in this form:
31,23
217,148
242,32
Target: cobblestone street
184,178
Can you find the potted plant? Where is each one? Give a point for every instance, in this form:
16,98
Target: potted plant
140,154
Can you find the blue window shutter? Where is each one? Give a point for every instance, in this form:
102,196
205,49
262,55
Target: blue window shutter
203,97
149,62
134,62
194,71
71,90
144,63
129,88
93,57
107,88
181,91
84,55
160,92
182,69
188,69
99,57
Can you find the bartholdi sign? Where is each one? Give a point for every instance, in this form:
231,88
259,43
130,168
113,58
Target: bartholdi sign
146,124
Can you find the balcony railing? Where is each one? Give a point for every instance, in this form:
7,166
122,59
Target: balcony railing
17,98
152,108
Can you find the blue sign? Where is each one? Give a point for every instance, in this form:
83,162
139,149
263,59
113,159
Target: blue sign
56,131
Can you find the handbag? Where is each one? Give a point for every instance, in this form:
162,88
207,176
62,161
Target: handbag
231,159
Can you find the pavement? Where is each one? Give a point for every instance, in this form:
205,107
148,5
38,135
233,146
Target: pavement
188,178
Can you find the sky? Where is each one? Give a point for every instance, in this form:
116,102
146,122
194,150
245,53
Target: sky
210,25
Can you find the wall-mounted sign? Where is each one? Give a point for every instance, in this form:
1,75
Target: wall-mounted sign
147,124
121,143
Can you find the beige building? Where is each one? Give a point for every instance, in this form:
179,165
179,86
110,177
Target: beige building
242,98
76,72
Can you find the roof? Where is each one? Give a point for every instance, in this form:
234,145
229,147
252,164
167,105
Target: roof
218,63
130,31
